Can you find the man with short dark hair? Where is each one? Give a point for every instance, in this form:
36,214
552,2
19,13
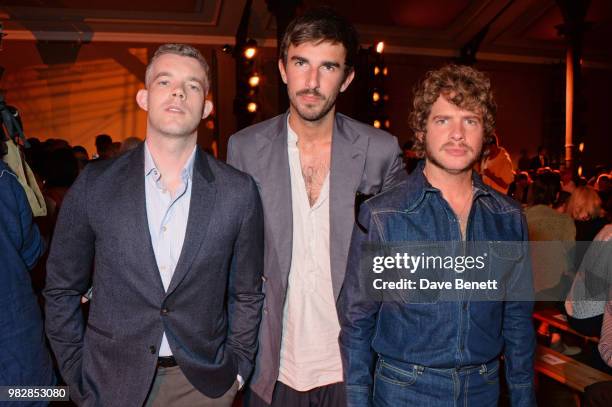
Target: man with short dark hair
176,240
428,352
104,145
540,160
311,166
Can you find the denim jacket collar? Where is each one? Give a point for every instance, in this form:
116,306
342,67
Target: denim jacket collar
419,186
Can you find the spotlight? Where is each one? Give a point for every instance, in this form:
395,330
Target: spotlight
387,124
380,46
385,71
254,80
250,49
375,97
250,52
252,107
580,171
581,147
376,124
376,70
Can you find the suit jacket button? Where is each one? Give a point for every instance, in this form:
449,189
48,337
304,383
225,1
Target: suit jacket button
152,349
164,311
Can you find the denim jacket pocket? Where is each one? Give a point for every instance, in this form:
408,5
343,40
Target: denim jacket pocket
506,259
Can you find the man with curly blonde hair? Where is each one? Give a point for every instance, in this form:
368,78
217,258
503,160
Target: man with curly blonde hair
427,349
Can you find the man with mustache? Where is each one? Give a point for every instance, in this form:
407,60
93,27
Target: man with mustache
175,239
423,350
311,165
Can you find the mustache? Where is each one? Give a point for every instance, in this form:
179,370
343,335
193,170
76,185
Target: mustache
455,145
310,92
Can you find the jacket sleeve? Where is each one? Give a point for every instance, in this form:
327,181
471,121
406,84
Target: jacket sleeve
357,315
519,335
68,276
32,245
245,296
233,155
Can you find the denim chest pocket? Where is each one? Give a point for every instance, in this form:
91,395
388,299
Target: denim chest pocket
507,263
394,375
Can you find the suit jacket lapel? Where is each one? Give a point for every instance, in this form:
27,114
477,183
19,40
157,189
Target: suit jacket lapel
133,194
276,195
347,165
203,194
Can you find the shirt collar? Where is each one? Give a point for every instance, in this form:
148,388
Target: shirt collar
150,167
292,137
419,186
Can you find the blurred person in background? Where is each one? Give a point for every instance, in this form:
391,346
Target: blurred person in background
560,204
61,168
552,236
115,149
584,206
599,170
600,394
523,161
496,166
24,359
130,143
604,189
104,146
519,189
568,183
540,160
80,153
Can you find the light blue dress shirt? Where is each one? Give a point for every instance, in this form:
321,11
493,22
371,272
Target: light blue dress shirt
167,216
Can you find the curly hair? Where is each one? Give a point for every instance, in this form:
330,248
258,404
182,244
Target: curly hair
463,86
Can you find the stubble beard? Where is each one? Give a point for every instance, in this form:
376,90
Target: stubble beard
314,116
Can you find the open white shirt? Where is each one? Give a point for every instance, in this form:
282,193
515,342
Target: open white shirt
310,354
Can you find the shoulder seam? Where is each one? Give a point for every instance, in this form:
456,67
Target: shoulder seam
8,172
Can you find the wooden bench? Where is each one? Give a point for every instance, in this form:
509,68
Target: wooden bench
566,370
555,318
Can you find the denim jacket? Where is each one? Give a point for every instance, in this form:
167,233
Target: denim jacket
440,334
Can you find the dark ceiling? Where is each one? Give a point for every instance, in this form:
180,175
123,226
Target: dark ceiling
517,28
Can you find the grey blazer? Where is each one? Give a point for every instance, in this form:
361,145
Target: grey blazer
364,159
210,312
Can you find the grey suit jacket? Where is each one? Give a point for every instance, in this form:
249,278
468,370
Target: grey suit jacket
210,312
364,159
